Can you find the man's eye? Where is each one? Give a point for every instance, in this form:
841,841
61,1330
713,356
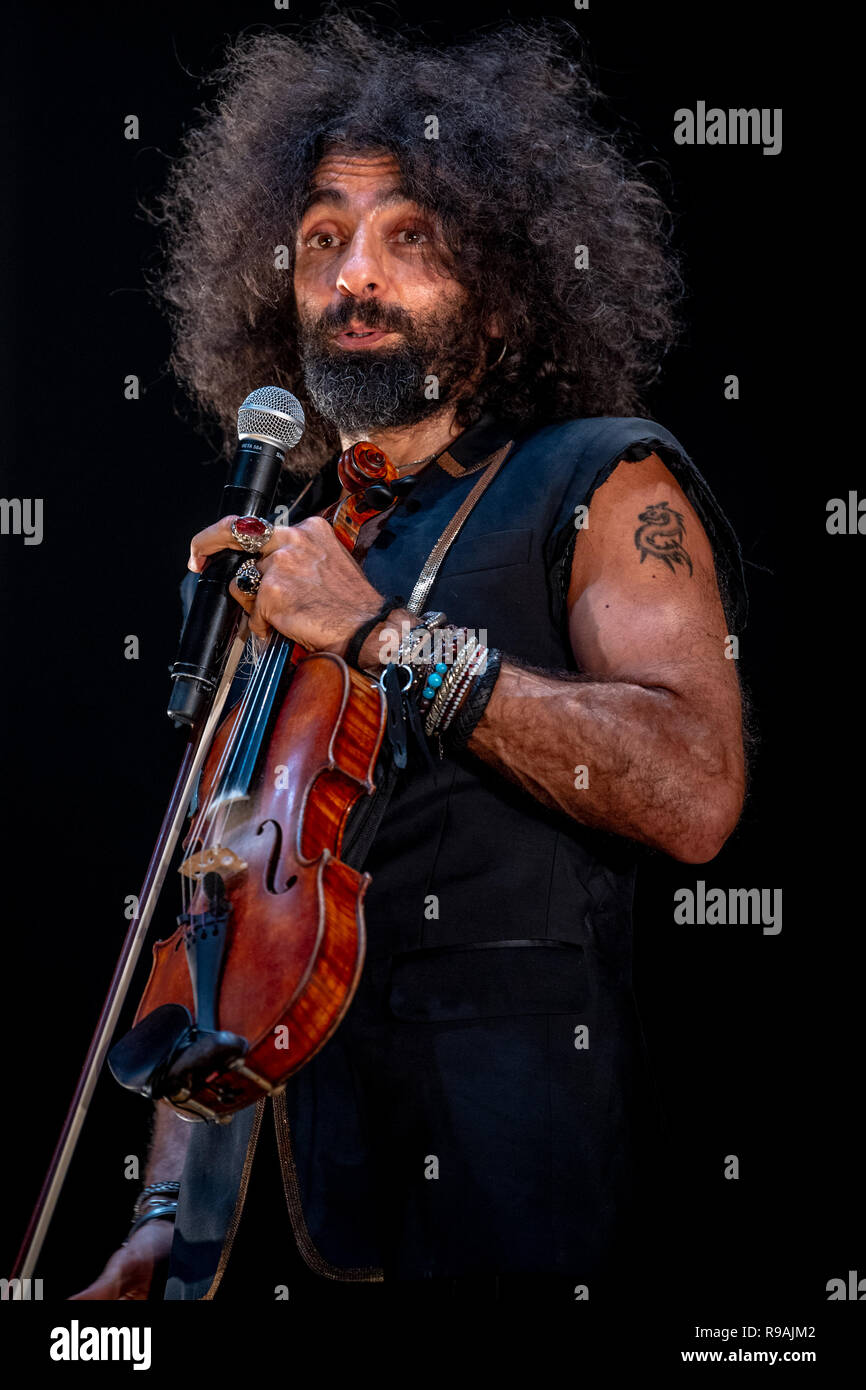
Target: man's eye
411,236
322,241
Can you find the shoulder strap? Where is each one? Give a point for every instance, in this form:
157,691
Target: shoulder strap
366,818
430,568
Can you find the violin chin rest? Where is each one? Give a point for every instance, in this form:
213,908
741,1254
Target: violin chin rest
166,1055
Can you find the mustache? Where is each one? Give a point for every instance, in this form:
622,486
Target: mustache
370,313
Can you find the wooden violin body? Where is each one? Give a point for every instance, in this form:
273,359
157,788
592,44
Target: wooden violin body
274,907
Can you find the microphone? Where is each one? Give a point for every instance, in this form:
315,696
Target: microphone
270,421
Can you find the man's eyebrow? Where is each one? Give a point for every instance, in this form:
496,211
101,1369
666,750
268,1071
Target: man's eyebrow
337,198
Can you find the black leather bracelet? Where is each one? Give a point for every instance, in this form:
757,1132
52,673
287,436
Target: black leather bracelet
457,737
357,640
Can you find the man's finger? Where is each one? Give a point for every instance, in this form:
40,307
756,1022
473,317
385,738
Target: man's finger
258,626
219,537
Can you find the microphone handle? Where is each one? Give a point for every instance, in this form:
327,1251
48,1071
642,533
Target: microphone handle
214,614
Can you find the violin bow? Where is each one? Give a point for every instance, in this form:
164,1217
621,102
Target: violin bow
170,831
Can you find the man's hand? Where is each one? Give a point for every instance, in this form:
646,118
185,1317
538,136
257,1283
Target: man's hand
312,591
129,1273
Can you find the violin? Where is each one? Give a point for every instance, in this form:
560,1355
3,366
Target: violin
269,944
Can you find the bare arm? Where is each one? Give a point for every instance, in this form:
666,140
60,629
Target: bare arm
168,1146
130,1270
656,719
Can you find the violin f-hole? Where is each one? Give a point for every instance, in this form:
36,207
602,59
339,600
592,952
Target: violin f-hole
274,860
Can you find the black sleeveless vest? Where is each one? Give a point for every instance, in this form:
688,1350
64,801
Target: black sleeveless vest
474,1112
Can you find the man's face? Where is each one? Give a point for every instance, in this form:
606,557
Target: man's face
377,318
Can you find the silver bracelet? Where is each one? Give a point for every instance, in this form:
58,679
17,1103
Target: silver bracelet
477,662
164,1190
426,623
166,1213
449,683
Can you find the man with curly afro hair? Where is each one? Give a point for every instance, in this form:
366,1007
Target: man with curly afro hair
439,250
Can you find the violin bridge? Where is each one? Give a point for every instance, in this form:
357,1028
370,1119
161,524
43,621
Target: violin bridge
213,859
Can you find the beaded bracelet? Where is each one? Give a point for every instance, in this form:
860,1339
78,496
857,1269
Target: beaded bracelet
462,689
436,673
445,691
451,693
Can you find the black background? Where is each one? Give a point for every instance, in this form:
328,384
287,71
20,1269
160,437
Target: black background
753,1037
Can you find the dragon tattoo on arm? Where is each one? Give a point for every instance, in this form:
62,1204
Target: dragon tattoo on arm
661,536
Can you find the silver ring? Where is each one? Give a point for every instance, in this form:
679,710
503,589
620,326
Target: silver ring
410,673
248,577
251,533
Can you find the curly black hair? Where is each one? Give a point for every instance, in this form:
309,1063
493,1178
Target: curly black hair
521,174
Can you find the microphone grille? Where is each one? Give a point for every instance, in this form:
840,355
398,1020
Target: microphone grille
272,414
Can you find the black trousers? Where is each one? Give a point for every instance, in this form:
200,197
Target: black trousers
265,1265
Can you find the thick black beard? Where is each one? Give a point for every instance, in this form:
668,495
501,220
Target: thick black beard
388,388
359,391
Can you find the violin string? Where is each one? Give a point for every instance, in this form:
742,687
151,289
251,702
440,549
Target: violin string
248,699
255,702
203,810
259,710
198,830
281,652
266,675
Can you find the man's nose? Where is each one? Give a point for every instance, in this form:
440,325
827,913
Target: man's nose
362,272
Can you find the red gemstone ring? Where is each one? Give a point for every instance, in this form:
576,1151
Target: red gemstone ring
251,533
